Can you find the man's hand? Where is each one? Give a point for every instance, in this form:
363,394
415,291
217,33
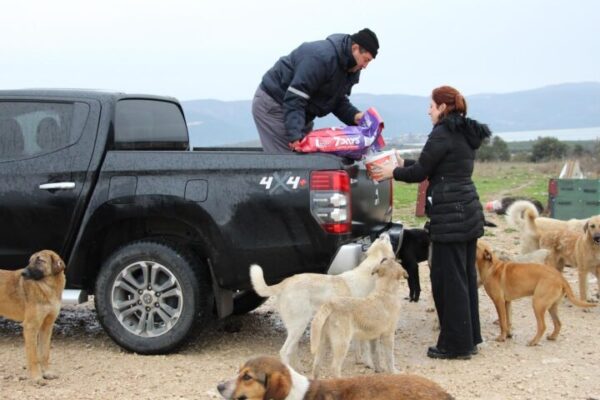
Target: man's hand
357,117
294,145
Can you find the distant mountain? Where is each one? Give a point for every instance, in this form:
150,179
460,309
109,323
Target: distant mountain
570,105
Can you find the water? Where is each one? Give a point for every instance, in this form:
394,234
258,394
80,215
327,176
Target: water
560,134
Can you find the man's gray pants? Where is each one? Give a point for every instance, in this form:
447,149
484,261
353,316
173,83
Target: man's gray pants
269,119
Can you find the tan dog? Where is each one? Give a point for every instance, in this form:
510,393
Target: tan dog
519,211
373,318
577,249
506,281
267,378
538,256
299,296
33,295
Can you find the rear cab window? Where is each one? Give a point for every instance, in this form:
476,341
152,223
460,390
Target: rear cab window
149,125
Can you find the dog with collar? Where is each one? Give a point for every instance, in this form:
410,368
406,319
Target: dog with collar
267,378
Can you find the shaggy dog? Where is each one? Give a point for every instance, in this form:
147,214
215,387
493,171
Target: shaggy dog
518,214
575,249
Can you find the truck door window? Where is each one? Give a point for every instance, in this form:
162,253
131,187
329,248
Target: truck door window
30,129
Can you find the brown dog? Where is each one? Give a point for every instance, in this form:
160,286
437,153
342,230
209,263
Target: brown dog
268,378
506,281
33,295
577,249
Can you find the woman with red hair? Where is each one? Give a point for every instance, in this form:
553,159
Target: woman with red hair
456,218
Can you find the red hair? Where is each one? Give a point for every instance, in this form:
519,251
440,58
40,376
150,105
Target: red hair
455,102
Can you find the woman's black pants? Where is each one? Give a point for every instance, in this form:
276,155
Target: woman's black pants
454,287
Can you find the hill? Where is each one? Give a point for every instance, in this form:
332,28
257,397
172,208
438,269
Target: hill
569,105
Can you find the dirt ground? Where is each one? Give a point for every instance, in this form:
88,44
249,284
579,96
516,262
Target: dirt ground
91,366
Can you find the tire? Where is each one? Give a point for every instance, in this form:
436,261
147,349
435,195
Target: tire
150,295
246,301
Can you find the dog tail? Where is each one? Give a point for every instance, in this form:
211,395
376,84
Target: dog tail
530,215
571,296
258,282
316,327
516,213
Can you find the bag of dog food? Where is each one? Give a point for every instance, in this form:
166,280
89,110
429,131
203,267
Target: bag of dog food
350,141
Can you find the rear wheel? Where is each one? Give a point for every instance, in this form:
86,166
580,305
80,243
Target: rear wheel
149,295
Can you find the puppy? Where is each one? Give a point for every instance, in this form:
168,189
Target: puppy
413,250
370,318
518,214
267,378
33,295
506,281
576,249
299,296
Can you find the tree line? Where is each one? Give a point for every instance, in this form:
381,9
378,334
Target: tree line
542,149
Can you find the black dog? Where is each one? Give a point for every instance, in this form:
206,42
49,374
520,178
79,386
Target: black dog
413,249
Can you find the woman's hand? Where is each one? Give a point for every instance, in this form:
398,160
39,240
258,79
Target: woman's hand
381,172
399,159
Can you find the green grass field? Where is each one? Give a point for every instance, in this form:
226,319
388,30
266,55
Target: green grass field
493,181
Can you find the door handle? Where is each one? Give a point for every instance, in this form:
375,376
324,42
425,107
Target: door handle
57,185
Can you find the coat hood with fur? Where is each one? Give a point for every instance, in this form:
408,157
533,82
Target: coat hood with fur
474,132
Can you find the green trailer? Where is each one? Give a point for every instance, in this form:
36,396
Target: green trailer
574,198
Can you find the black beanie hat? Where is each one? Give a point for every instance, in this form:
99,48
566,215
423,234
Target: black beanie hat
367,39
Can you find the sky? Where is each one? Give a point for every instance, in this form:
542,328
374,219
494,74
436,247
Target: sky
219,49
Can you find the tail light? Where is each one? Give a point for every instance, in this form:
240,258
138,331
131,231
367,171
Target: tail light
330,200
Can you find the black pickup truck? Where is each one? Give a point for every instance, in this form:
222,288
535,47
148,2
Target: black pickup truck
161,234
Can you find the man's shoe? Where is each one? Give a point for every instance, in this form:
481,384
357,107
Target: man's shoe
434,352
475,350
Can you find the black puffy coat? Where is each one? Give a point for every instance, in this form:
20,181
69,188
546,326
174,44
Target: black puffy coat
313,81
447,159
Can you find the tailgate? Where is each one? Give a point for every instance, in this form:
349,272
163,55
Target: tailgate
372,202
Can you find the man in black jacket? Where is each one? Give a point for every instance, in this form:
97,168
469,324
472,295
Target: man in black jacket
312,81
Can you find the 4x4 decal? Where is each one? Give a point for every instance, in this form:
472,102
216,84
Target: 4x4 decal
286,182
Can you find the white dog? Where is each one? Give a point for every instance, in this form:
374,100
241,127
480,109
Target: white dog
299,296
373,318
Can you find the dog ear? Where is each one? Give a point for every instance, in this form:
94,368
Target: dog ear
278,386
377,269
487,255
58,265
586,226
